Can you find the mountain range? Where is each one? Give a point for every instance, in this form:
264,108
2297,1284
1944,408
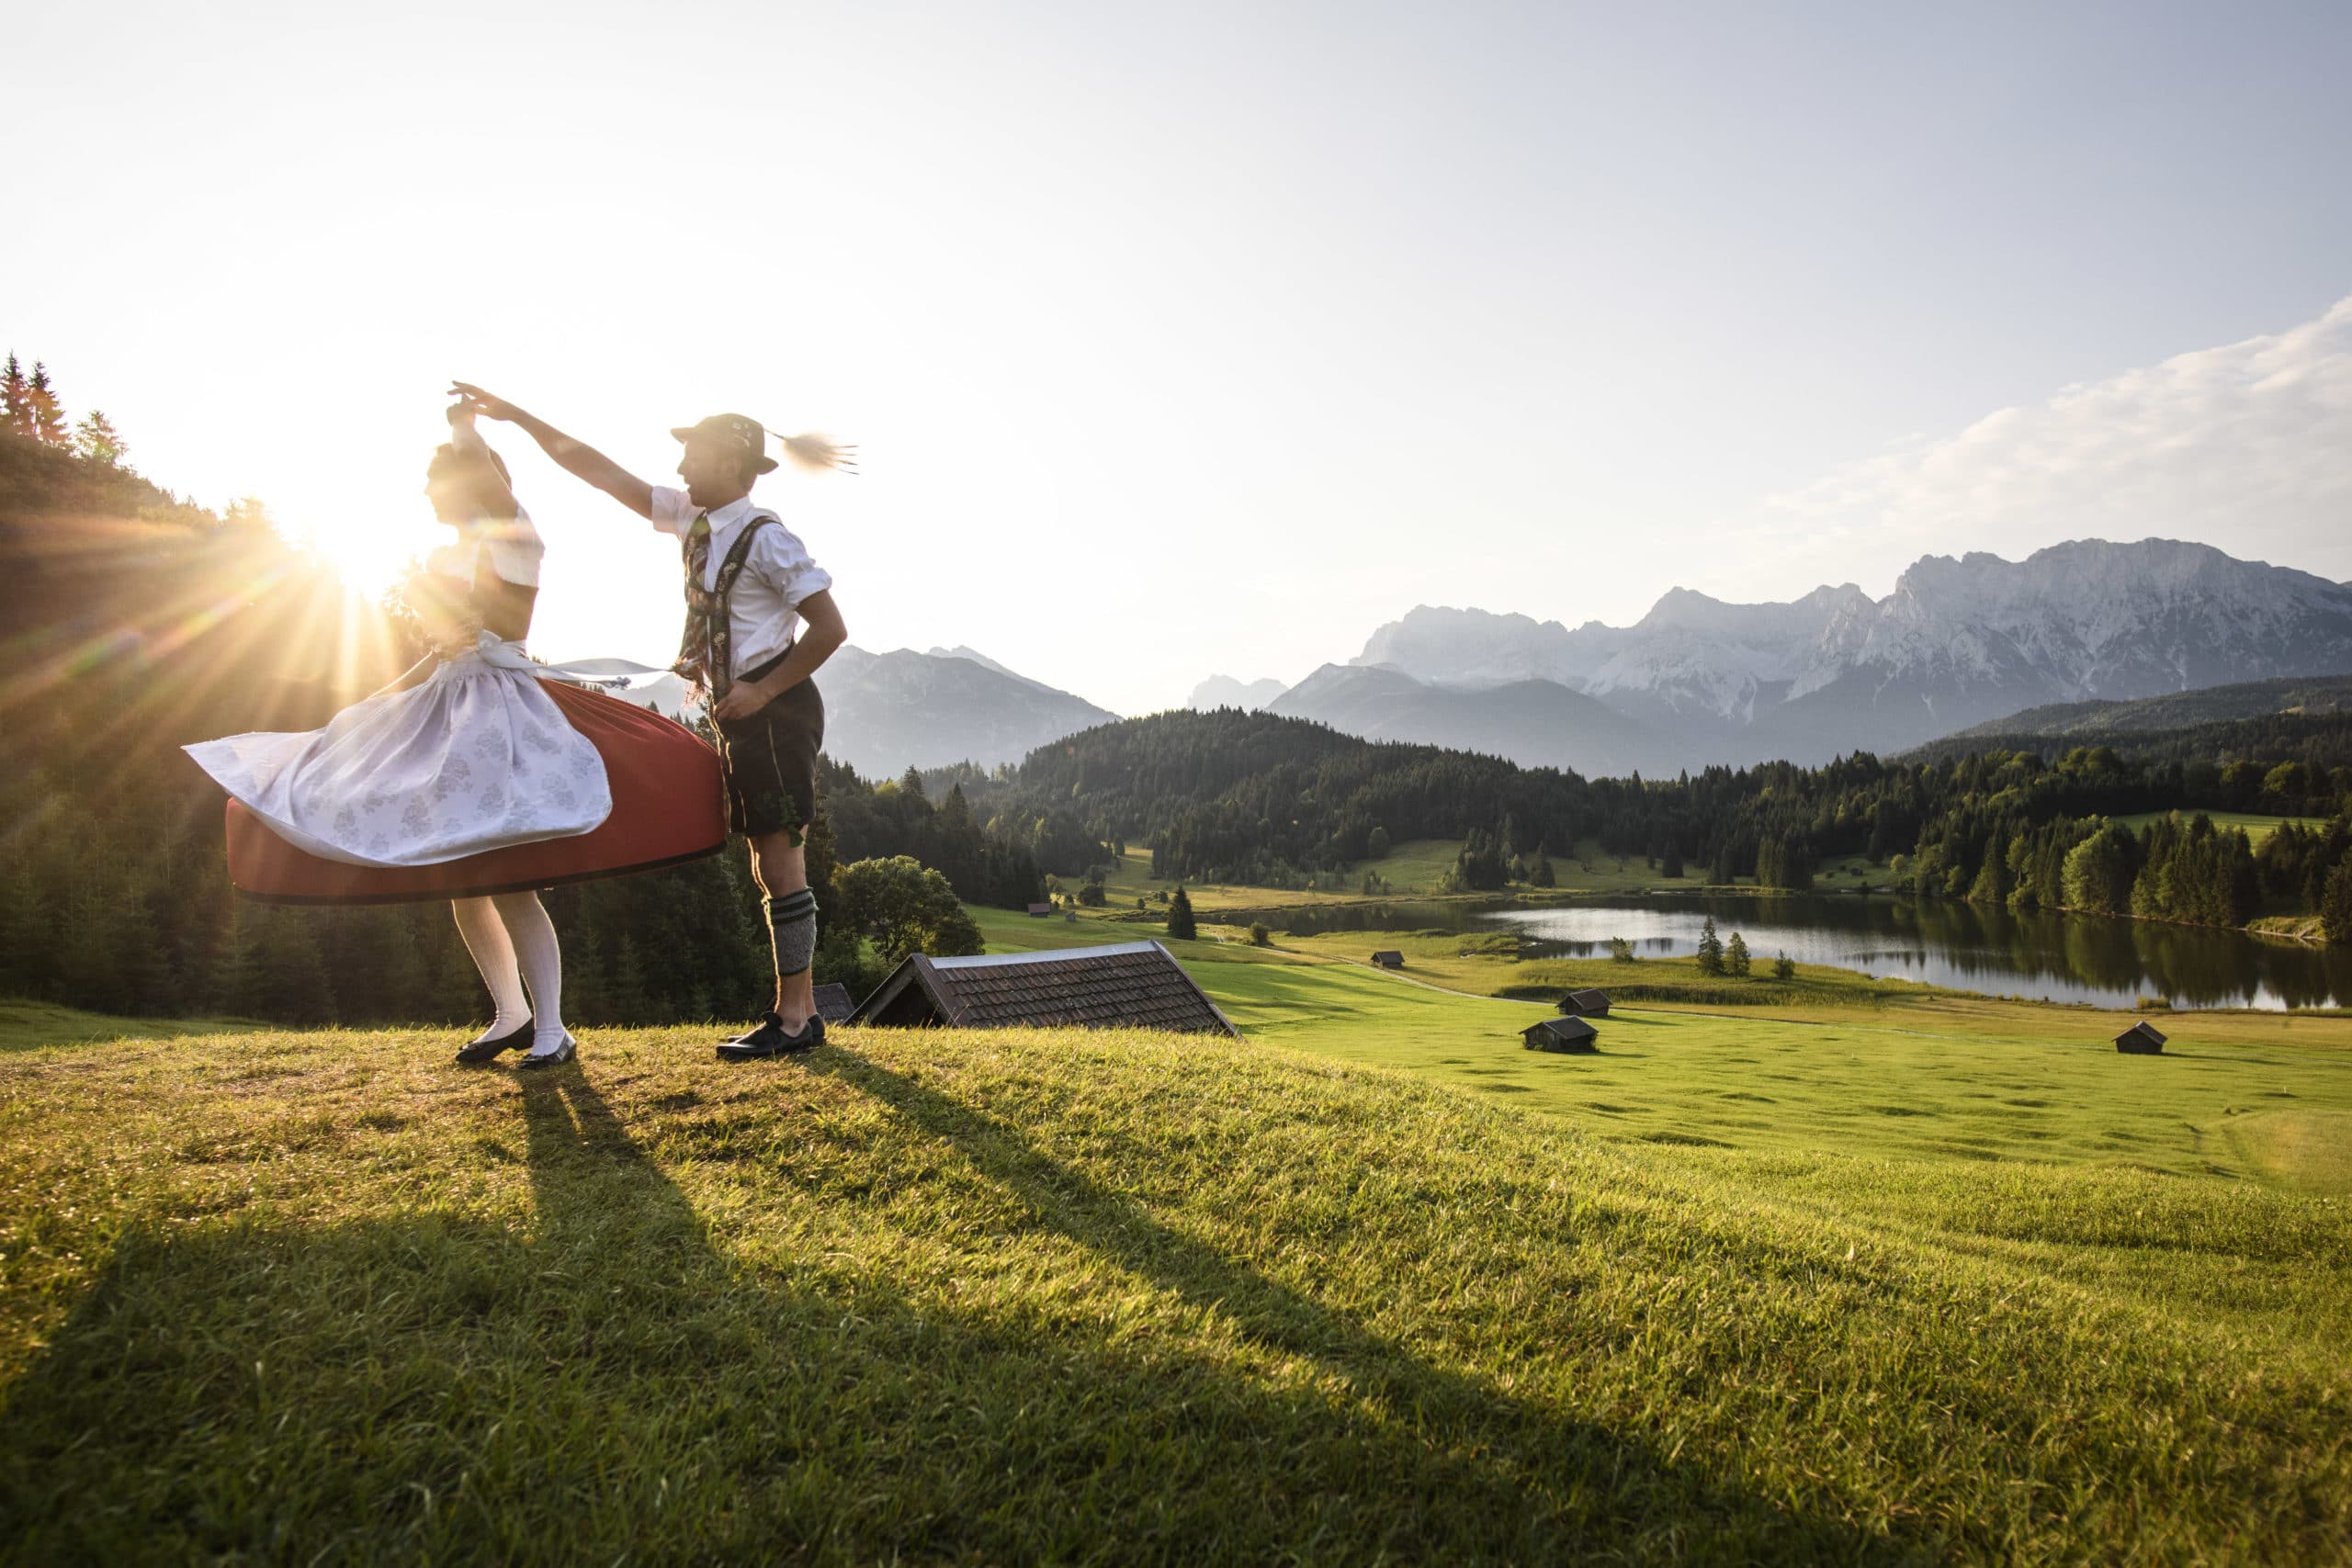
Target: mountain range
887,712
1957,643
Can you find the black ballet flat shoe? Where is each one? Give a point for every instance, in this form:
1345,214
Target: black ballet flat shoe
481,1051
567,1051
770,1039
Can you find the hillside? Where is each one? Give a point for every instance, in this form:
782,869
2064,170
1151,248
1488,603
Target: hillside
889,712
2089,723
1537,723
2318,738
997,1297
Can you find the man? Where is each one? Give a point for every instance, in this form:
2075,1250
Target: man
750,583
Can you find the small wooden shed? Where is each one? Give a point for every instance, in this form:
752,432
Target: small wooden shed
833,1003
1039,911
1560,1035
1133,984
2142,1039
1585,1004
1389,958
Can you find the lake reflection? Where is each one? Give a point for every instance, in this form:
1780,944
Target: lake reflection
2066,958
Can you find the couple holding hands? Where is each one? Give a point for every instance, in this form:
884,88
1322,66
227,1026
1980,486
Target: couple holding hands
482,776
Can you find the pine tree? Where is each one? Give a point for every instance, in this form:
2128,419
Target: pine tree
1736,961
2336,903
624,1000
1542,875
819,854
48,415
97,439
27,944
1181,925
1710,949
16,401
1669,860
455,993
1784,967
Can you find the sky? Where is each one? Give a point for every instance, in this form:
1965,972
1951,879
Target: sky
1204,339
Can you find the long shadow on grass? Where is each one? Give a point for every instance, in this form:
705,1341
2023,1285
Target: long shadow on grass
1530,1460
613,1379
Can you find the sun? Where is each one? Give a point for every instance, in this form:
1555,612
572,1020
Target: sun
369,554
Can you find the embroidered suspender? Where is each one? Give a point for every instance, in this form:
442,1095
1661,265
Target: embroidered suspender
706,654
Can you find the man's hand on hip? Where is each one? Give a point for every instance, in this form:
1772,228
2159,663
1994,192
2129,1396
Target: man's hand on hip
743,700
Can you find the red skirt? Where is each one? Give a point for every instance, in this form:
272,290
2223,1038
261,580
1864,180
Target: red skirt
669,806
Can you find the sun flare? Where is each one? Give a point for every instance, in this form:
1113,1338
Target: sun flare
370,555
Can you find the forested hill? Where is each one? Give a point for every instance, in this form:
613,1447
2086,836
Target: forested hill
2091,722
1231,796
2318,740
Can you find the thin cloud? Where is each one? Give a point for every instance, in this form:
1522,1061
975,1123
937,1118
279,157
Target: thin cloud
2246,446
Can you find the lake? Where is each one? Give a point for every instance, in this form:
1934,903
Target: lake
2065,958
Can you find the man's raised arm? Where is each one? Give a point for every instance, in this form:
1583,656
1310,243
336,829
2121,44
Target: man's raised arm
574,456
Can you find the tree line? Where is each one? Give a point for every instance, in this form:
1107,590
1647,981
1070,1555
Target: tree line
1253,798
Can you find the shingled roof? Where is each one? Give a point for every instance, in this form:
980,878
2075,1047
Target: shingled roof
833,1004
1133,984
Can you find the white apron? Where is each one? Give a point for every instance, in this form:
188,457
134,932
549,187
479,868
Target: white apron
475,758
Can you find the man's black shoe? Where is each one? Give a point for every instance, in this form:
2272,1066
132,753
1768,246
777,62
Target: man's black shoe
481,1050
768,1021
770,1039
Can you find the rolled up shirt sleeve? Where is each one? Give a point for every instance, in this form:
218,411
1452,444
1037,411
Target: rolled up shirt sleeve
673,511
783,562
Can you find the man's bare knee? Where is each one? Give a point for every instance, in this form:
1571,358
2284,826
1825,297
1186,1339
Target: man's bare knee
779,864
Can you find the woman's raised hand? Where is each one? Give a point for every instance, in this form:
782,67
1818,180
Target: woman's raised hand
482,403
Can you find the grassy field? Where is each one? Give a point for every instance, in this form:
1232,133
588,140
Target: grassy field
2257,825
1418,868
1834,1060
1103,1297
25,1024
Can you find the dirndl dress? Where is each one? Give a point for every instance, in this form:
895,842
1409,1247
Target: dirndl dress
491,776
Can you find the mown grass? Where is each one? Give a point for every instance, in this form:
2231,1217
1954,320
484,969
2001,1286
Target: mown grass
1103,1297
1416,868
2258,826
1484,962
24,1024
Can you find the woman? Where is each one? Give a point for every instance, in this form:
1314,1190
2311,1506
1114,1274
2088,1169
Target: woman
469,778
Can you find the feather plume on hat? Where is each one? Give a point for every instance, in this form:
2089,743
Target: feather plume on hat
816,452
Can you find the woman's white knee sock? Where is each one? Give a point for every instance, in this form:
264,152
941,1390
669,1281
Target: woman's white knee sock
533,934
485,937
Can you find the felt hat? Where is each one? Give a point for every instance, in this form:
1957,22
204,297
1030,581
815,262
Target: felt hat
735,430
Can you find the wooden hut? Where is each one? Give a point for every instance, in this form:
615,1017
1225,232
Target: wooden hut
1039,911
1560,1035
1585,1004
1389,958
1133,984
2142,1039
833,1004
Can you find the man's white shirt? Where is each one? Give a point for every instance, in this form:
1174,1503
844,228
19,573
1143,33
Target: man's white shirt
762,613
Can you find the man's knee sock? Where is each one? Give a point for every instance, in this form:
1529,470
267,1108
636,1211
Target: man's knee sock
792,925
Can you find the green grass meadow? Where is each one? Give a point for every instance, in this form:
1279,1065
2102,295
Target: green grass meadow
2258,826
1107,1297
1853,1271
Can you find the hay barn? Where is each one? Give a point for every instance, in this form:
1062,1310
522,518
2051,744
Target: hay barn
1135,984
